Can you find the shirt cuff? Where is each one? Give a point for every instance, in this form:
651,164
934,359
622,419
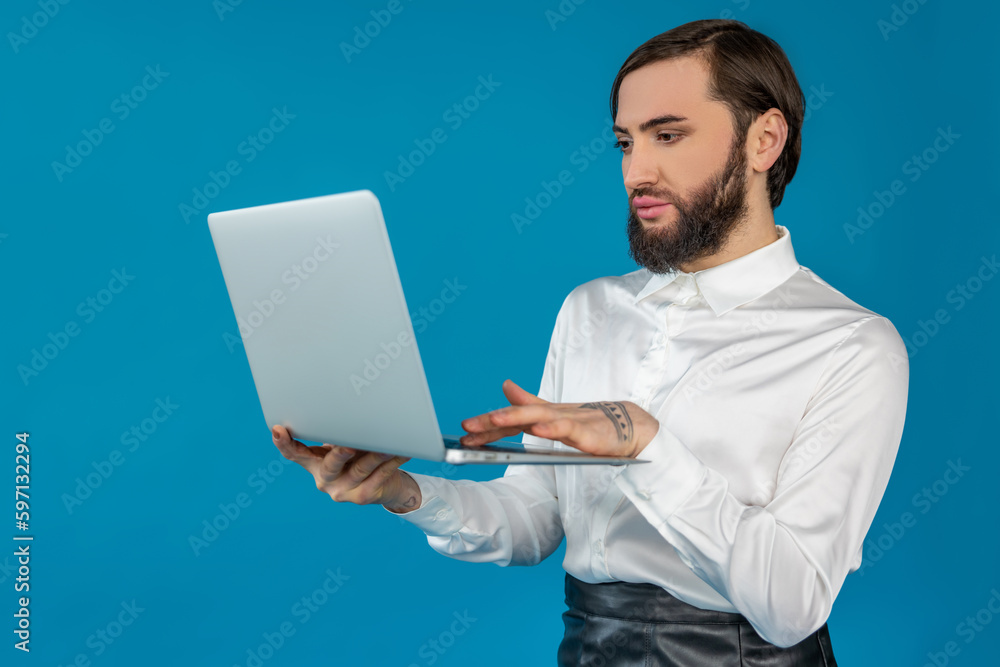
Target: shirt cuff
660,487
435,516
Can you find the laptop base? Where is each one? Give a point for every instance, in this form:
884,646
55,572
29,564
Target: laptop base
514,453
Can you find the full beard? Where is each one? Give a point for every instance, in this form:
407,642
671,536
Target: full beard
702,225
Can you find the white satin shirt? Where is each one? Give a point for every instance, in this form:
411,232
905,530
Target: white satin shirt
781,405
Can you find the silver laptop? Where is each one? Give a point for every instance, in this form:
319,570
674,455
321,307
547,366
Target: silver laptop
321,313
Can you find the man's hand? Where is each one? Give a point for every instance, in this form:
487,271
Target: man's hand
605,428
353,475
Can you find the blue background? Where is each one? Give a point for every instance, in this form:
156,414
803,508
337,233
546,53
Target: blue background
164,335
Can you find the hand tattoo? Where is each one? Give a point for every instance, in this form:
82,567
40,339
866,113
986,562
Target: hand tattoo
616,412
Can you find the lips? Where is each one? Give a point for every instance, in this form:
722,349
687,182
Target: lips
649,207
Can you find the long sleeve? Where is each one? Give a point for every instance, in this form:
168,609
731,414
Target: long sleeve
783,564
512,520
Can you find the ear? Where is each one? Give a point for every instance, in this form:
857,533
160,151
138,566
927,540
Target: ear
767,139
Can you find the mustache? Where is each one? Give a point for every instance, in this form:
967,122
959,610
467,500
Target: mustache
662,195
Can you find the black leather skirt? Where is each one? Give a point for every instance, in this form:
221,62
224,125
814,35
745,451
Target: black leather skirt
627,624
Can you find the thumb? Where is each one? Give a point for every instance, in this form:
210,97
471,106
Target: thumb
518,396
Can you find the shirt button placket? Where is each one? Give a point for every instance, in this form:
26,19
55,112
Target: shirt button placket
661,340
652,363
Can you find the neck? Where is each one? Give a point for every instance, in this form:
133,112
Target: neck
757,231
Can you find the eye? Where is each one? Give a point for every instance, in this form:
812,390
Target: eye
670,138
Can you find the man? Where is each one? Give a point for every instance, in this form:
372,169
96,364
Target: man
768,405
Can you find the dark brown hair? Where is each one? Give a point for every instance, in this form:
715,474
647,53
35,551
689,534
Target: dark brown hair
748,72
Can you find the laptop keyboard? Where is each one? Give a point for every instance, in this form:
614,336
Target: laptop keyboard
455,444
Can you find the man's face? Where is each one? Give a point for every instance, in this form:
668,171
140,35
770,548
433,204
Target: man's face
685,173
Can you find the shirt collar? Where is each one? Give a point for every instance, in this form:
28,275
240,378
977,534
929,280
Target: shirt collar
738,281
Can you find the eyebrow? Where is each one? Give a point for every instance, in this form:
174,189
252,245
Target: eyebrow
652,122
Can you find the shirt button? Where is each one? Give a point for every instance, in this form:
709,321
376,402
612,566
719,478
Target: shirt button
441,515
643,493
598,547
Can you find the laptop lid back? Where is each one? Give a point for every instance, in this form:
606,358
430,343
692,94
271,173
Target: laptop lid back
320,308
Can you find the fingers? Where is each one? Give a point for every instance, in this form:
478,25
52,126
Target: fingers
518,396
344,473
565,430
360,469
492,435
333,462
307,456
293,450
515,415
364,479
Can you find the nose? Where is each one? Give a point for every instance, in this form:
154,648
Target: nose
639,169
